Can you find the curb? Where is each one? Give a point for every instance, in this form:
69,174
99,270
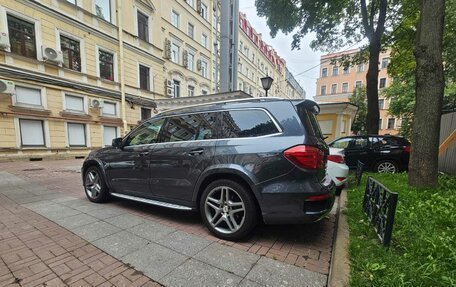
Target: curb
339,270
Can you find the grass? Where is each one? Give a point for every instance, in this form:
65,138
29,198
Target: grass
423,246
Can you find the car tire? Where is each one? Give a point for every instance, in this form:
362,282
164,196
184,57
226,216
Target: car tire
228,209
386,166
94,185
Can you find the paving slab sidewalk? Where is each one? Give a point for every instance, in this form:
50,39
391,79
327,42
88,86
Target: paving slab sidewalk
159,251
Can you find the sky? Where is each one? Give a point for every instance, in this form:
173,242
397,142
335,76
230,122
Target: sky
297,60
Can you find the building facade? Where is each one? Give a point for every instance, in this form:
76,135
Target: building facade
86,71
337,84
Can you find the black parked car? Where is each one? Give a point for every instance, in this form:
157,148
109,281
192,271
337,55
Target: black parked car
237,162
379,153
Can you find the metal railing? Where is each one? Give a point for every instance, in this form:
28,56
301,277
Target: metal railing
359,172
379,204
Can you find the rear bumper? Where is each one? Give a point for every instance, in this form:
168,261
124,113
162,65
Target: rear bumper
302,206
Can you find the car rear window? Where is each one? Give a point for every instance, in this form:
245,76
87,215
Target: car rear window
247,123
310,122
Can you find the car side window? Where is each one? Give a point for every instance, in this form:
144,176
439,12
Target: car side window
146,133
342,143
358,143
190,127
247,123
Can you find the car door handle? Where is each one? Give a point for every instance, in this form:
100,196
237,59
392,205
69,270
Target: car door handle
144,153
196,152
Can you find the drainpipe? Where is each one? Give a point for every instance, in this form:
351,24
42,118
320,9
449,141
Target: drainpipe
121,66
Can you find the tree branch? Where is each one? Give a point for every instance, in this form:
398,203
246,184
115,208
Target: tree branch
368,29
381,19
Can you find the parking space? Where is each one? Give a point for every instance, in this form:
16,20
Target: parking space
180,243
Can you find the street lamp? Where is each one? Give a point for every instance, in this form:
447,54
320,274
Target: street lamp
266,82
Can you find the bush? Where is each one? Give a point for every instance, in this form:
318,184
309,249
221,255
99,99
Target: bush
423,246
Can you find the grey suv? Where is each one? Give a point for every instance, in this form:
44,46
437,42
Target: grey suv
237,162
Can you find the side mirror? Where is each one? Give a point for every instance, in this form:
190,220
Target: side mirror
117,142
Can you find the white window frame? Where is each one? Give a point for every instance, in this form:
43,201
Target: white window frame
81,48
362,66
174,12
193,30
356,84
191,3
348,87
321,90
192,66
335,67
204,40
84,102
149,23
43,97
151,76
112,10
204,69
177,53
204,11
332,89
379,83
97,55
103,143
116,108
324,75
381,63
87,135
36,25
188,90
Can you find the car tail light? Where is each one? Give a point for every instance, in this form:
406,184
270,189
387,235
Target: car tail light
408,149
339,178
306,156
318,197
336,158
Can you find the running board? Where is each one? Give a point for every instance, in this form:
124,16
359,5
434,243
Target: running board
151,201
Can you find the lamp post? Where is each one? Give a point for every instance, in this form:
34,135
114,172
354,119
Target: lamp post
266,82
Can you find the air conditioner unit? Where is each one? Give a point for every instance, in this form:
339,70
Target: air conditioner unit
169,92
52,55
7,87
96,103
169,83
4,41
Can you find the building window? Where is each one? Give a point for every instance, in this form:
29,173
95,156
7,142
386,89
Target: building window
76,134
143,27
103,9
335,70
391,123
323,90
106,60
175,50
382,83
28,96
190,2
324,72
333,88
380,124
74,104
145,113
385,62
109,133
72,1
360,68
191,90
191,30
204,92
32,132
358,84
346,70
176,85
190,61
204,11
144,77
204,40
22,37
110,109
175,19
71,53
381,104
345,88
204,69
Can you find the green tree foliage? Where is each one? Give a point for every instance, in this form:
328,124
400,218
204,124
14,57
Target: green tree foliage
338,24
359,99
402,67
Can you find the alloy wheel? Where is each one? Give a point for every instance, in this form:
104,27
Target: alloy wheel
224,209
386,167
93,184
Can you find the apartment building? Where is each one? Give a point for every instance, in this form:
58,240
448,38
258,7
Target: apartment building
256,60
337,84
77,73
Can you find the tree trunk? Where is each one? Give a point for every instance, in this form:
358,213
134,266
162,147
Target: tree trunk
373,113
423,166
